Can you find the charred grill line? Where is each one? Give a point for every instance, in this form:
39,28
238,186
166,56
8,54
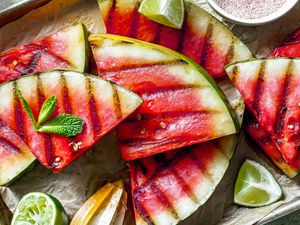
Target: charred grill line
134,21
235,73
24,70
259,88
230,52
49,152
157,37
140,66
66,97
141,209
110,18
182,35
200,165
281,111
117,105
18,114
207,43
93,109
164,200
220,148
7,145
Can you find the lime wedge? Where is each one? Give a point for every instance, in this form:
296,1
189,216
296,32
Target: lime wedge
255,186
38,208
166,12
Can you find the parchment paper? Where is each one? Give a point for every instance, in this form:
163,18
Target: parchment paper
103,162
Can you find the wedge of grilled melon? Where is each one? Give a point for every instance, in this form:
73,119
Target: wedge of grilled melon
100,103
270,88
65,49
168,187
182,103
203,38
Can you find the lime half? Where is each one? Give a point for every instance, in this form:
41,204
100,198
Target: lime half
166,12
255,186
38,208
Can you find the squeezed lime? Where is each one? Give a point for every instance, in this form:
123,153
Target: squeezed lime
38,208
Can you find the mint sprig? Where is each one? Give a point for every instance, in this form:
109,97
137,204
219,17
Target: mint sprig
67,125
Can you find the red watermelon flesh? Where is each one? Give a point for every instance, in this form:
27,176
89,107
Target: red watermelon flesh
203,38
266,142
101,104
168,187
182,104
65,49
271,91
293,38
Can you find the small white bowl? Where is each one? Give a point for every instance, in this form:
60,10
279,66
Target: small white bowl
254,22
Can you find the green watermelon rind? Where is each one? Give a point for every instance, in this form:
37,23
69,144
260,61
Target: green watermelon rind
23,172
175,54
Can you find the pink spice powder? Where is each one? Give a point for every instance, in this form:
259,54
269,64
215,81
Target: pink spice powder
250,9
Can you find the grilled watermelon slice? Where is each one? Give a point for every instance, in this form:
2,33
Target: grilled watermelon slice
15,156
266,142
65,49
168,187
203,38
270,88
100,103
182,103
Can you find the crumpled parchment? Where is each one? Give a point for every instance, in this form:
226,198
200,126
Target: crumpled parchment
103,162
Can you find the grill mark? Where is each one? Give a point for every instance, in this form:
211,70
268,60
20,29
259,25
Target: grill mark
142,66
207,43
92,107
200,166
18,114
116,99
231,51
171,114
142,211
148,92
182,36
164,200
134,22
259,89
160,158
235,73
32,64
279,122
220,148
59,58
9,146
66,97
157,37
49,151
111,17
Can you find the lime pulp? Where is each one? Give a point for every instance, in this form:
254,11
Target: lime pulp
38,208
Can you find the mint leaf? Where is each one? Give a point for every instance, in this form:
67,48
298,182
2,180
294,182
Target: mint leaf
47,109
66,125
26,106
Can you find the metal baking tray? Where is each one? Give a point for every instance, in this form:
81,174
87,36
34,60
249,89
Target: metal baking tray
13,9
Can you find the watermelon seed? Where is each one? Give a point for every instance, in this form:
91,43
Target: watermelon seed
57,159
143,131
291,127
15,62
163,125
76,146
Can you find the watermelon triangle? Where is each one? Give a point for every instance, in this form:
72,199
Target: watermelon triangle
182,104
65,49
